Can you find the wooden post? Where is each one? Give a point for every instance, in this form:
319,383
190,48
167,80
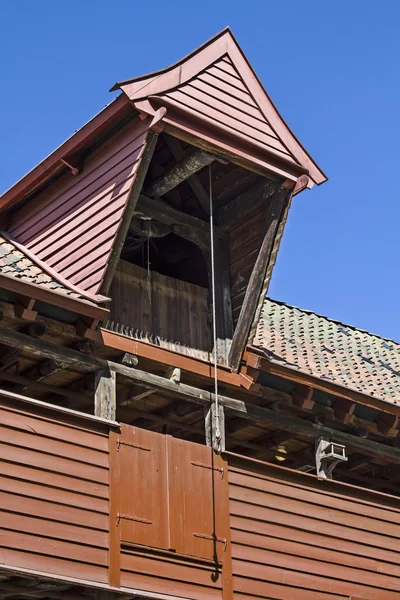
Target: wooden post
253,291
105,404
210,418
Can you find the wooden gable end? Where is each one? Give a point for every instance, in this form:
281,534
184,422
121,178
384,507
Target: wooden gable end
73,224
213,98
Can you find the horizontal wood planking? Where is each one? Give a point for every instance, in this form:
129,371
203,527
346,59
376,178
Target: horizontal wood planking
54,498
72,225
170,574
178,311
218,94
310,540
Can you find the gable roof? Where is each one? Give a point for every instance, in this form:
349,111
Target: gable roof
329,350
217,85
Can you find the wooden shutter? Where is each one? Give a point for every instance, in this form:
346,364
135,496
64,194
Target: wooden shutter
143,507
198,500
173,494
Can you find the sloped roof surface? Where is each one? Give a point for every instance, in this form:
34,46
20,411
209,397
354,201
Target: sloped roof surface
329,350
14,263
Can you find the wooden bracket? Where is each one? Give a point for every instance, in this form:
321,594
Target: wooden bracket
387,424
86,328
24,307
249,377
156,124
302,396
344,410
75,169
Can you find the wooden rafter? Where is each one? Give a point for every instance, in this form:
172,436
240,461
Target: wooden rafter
197,187
185,168
247,411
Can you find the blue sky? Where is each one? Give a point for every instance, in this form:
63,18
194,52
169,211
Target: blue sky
332,69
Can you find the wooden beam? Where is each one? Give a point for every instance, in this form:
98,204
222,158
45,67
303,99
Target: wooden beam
197,187
276,208
36,373
247,411
249,200
291,374
210,427
129,212
44,388
180,172
105,402
162,211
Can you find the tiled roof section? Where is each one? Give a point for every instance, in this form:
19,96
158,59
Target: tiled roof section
14,263
329,350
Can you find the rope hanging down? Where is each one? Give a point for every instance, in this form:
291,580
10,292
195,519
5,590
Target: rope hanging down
218,437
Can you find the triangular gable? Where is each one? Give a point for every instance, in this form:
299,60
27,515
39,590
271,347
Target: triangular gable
216,85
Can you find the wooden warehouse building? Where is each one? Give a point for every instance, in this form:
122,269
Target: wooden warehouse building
167,430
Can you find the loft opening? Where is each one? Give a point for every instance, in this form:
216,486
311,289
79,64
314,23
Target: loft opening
162,286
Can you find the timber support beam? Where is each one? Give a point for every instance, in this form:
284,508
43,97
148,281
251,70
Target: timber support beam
185,168
239,408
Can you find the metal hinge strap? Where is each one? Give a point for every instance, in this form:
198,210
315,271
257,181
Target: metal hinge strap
131,518
120,443
212,538
197,464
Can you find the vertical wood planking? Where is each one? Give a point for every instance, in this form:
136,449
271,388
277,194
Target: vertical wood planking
178,311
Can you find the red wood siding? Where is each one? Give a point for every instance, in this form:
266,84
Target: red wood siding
296,537
72,225
220,96
54,492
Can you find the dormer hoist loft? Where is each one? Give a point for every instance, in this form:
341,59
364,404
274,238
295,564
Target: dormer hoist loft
134,222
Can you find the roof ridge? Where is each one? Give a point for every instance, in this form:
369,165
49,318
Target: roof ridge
312,312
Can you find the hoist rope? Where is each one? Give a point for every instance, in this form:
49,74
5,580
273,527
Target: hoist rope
214,319
148,261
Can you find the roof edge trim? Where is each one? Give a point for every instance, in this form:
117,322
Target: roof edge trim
50,271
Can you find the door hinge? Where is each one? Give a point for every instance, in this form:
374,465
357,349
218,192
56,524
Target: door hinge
131,518
121,443
219,469
212,538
